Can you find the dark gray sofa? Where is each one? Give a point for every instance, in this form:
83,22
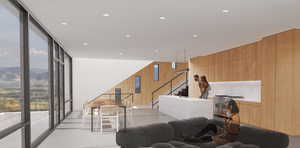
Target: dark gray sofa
170,135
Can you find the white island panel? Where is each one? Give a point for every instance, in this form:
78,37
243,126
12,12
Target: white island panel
184,108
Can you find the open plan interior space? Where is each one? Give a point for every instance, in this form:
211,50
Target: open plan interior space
149,73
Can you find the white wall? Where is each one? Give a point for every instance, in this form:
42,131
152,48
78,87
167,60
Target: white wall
91,77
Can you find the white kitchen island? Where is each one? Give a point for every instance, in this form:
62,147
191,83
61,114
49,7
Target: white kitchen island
184,108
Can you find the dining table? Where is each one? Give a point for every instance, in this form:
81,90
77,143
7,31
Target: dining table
102,102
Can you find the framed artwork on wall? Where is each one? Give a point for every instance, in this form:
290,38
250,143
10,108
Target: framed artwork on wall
156,72
138,84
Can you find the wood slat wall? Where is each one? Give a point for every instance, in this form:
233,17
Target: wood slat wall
296,107
275,60
147,83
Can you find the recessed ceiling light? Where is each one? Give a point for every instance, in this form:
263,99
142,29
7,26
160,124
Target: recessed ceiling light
85,43
64,23
121,53
105,14
127,36
195,36
162,18
225,11
156,50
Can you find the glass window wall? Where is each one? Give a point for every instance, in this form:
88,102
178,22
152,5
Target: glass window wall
25,86
10,66
39,81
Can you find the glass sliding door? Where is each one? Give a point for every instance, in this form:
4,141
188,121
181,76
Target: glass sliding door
61,85
56,82
10,66
61,91
67,68
39,81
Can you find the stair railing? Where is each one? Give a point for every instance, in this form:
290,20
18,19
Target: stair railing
172,90
182,84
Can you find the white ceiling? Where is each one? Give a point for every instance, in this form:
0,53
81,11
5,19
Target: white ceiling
247,21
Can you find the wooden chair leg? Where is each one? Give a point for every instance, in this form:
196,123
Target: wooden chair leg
101,125
117,123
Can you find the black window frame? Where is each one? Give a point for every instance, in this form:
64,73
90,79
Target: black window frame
67,100
24,125
40,28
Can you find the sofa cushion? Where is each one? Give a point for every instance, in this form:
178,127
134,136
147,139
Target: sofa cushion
163,145
188,127
179,144
144,135
173,144
206,145
263,138
260,137
238,145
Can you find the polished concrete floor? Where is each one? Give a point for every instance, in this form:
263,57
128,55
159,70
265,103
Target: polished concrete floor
73,133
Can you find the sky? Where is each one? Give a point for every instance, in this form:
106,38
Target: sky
10,40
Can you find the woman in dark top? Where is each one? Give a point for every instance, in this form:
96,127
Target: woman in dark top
221,135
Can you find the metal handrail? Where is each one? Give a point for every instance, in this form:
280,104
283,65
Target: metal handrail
171,91
130,95
167,82
185,82
154,102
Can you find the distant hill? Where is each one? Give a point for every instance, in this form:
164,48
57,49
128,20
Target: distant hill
13,73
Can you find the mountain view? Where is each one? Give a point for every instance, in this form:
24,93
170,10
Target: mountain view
10,92
13,73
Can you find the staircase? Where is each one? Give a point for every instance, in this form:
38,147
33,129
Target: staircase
177,86
183,92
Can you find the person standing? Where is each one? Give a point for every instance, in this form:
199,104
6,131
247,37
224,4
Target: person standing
203,85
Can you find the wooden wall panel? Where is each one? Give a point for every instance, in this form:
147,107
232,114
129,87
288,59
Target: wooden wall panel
268,51
236,64
250,113
219,67
258,68
226,66
284,81
212,68
275,60
296,108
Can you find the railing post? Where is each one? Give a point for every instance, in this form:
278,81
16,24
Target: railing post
186,76
125,118
132,99
171,88
152,101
